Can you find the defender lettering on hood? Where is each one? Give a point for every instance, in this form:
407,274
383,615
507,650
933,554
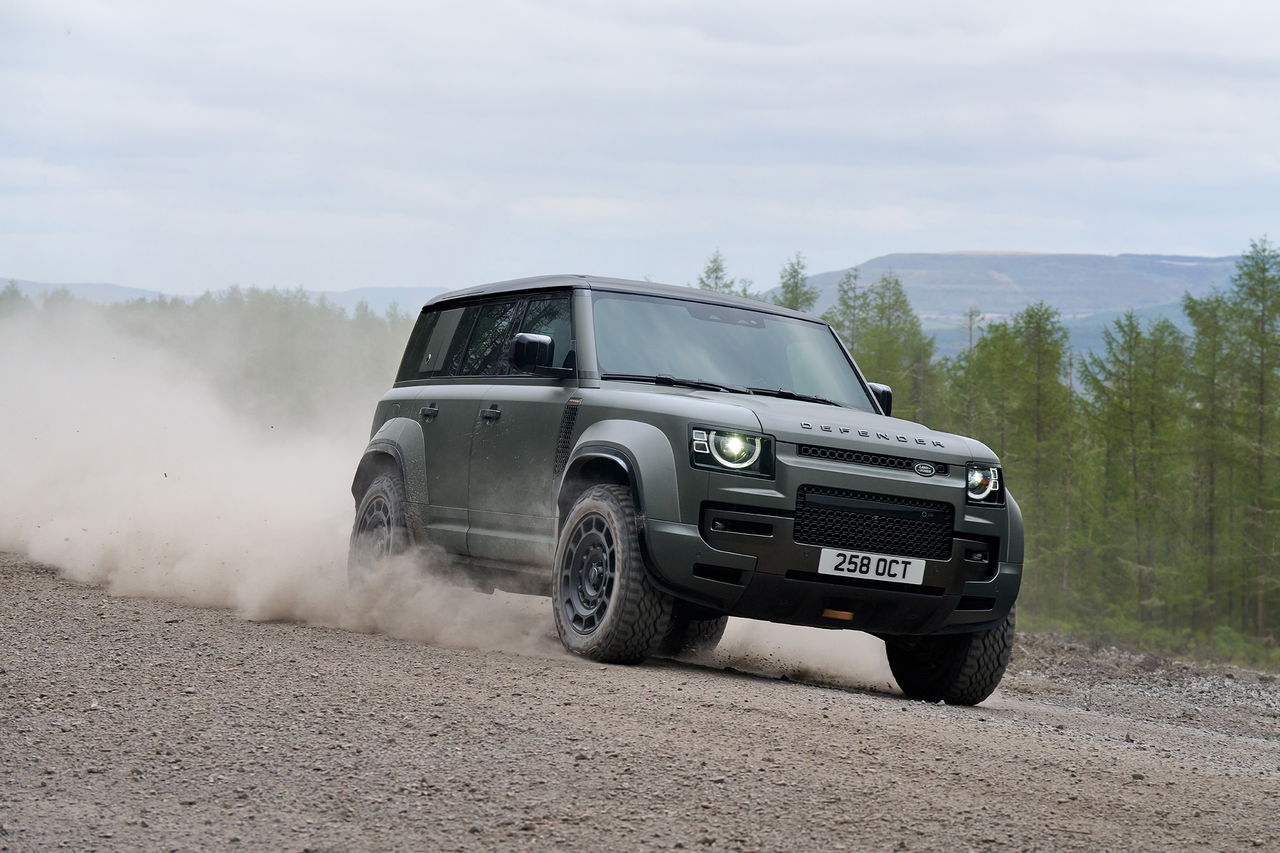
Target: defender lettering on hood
865,433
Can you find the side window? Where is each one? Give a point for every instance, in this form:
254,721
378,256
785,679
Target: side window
451,358
422,329
488,351
436,336
549,315
476,340
446,330
431,334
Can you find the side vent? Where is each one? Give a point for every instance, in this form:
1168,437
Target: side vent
564,441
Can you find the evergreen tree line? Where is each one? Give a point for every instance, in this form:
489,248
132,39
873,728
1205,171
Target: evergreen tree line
1147,472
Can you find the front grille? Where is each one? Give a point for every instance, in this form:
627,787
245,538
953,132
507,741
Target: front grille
858,457
865,521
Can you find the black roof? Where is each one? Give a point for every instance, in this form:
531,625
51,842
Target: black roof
620,285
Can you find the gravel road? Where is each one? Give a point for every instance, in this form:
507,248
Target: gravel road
133,724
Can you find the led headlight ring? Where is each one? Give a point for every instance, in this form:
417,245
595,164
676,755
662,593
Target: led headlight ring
981,482
735,451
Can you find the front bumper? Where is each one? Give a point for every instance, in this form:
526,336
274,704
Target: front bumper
741,558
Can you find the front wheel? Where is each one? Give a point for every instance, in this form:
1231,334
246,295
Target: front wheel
959,669
605,606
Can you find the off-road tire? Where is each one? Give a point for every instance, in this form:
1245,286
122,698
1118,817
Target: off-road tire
381,528
602,534
689,635
959,669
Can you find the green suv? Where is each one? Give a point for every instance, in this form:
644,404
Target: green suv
659,458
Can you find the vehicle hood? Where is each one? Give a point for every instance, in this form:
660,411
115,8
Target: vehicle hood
833,426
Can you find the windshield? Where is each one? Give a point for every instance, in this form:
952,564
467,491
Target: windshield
652,336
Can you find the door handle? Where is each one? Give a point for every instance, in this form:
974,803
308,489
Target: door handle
428,413
492,413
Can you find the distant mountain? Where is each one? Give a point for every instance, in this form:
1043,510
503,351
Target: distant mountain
408,299
105,294
946,284
951,335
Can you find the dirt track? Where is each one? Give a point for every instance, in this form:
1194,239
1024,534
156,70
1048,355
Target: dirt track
134,724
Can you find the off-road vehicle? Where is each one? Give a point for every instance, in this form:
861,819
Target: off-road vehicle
659,458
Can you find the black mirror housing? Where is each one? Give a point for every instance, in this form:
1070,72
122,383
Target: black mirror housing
535,354
883,395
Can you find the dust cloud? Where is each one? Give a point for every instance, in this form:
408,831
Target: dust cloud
126,469
132,469
814,655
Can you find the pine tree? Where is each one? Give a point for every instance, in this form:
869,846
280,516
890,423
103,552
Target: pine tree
714,277
1211,396
794,291
12,299
891,346
1255,314
844,315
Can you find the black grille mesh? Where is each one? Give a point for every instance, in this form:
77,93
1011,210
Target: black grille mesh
858,457
865,530
564,441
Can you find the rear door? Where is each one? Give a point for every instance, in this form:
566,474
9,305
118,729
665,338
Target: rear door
445,404
513,451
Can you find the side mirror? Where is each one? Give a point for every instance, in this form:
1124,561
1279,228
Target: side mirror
532,353
883,395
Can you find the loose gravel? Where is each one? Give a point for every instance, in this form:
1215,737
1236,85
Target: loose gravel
133,724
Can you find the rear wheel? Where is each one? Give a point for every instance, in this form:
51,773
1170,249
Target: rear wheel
959,669
381,528
690,635
605,606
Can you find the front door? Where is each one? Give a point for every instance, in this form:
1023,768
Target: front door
513,450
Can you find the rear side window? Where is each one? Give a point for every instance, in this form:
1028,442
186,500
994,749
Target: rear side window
430,343
470,341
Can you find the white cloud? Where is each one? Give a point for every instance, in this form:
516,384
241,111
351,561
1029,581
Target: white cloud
188,146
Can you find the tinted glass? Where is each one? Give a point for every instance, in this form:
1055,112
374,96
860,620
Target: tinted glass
488,350
549,316
733,346
432,335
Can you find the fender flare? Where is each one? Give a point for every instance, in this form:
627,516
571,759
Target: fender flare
644,454
399,441
378,456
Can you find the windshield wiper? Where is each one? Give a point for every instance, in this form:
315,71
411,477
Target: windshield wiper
788,394
676,381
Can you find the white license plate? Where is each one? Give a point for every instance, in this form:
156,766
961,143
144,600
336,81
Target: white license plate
872,567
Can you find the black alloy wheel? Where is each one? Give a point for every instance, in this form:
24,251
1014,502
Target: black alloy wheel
605,606
587,573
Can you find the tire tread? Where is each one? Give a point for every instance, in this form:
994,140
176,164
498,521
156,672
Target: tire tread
643,615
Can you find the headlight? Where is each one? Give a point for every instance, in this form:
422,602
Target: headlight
982,485
731,450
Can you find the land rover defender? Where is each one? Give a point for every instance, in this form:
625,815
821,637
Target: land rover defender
658,458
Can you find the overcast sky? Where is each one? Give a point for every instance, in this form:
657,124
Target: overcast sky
186,146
